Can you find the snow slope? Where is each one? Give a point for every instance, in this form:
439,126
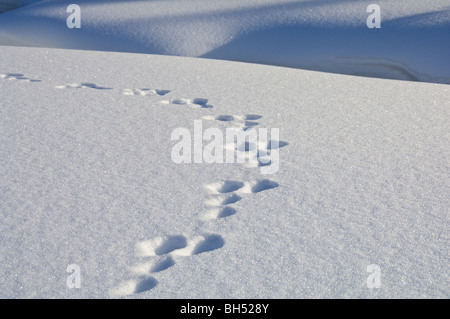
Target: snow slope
6,5
87,178
325,35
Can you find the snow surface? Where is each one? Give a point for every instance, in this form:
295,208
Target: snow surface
325,35
7,5
87,179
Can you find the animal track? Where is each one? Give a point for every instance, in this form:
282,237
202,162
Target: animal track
225,118
196,103
223,200
220,212
273,144
256,154
141,284
224,187
82,86
144,284
163,253
17,76
246,122
241,121
160,246
252,117
231,199
144,91
163,264
236,187
263,185
210,242
167,248
225,193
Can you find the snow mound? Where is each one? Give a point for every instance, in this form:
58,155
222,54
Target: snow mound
323,35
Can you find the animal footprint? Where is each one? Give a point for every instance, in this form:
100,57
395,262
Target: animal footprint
152,266
160,246
196,103
175,246
17,76
82,86
241,121
166,249
144,91
263,185
200,244
220,212
252,117
273,144
207,243
224,187
134,286
163,264
146,268
225,193
223,200
144,284
225,118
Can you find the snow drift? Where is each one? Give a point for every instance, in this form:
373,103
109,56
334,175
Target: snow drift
324,35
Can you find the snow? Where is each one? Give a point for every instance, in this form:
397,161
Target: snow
323,35
6,5
89,188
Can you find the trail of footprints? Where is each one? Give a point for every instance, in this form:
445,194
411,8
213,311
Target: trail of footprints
162,253
17,76
195,103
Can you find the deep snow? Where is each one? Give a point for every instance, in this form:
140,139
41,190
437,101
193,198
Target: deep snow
87,179
413,42
94,205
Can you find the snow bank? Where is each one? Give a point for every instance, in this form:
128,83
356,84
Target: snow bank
324,35
6,5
